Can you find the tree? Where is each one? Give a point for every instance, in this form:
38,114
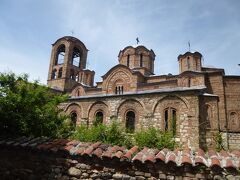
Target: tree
29,108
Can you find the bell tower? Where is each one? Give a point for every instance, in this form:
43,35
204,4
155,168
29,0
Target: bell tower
67,65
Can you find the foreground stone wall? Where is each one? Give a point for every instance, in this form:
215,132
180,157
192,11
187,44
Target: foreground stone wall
41,158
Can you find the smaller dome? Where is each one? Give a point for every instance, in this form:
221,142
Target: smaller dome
138,58
196,53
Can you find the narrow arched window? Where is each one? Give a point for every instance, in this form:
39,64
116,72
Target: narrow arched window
166,120
141,60
73,118
119,89
76,58
54,74
78,92
81,77
60,55
128,59
98,118
189,82
170,120
72,74
60,73
130,121
233,123
77,78
188,63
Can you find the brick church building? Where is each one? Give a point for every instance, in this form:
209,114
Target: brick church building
195,104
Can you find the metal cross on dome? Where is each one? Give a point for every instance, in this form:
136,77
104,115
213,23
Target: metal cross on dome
137,40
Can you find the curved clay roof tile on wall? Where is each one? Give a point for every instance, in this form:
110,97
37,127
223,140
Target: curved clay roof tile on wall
177,158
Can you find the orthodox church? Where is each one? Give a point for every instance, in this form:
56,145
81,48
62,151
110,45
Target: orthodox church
197,104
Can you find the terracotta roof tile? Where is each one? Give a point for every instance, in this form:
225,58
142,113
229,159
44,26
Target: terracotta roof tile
98,152
172,157
212,159
129,154
91,148
138,158
151,156
161,156
187,157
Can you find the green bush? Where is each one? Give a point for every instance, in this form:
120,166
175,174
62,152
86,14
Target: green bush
154,138
115,134
219,141
93,134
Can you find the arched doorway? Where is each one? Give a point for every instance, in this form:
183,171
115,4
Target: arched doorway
130,121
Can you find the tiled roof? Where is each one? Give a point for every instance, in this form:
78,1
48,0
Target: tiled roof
211,158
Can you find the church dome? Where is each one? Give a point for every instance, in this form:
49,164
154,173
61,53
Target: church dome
138,57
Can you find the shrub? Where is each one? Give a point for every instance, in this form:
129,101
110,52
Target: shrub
92,134
115,134
219,141
154,138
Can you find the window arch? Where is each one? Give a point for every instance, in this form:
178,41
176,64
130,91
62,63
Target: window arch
119,86
98,118
78,92
130,121
188,62
128,60
72,74
76,57
60,73
77,78
74,117
233,123
208,111
170,120
141,60
54,74
60,55
119,89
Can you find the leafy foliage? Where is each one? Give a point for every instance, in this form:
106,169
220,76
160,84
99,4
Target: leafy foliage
219,141
115,134
154,138
29,108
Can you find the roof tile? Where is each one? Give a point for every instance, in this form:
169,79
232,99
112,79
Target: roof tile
212,159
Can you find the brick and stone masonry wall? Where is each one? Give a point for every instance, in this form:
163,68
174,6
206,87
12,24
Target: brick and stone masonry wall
42,158
231,140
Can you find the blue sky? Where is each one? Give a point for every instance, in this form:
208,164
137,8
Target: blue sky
29,27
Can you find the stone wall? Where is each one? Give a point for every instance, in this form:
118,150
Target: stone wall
32,158
231,140
149,111
232,94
